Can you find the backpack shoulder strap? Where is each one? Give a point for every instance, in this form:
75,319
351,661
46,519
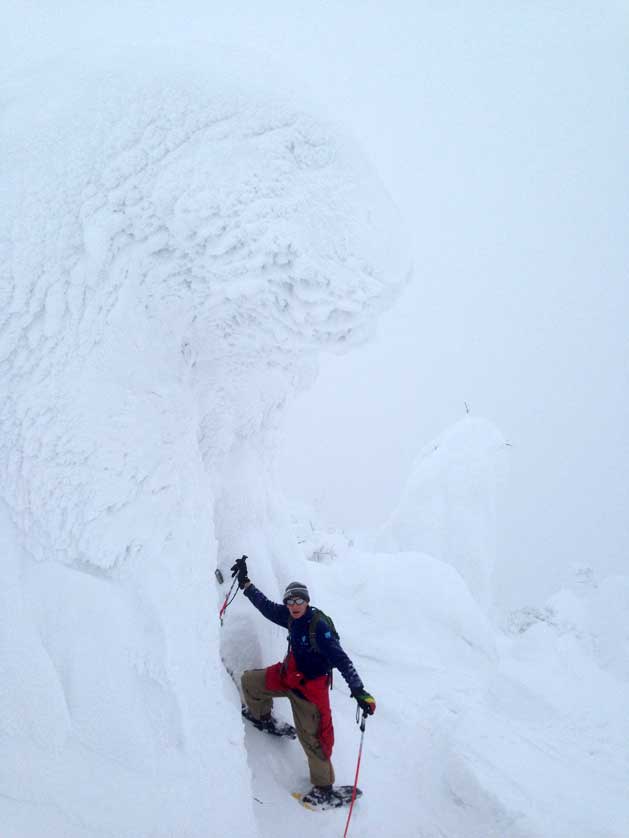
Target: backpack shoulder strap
317,617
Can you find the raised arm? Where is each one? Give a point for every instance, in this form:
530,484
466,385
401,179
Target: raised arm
273,611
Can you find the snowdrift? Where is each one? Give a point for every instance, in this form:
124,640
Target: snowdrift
178,242
479,732
448,506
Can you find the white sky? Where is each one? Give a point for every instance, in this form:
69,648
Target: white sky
501,131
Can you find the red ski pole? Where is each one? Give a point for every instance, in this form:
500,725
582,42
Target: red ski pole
360,753
221,613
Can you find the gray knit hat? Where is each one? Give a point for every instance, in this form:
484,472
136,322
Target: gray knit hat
296,589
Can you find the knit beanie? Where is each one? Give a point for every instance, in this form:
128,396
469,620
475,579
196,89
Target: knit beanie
296,589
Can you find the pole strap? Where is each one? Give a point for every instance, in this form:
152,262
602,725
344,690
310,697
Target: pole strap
228,601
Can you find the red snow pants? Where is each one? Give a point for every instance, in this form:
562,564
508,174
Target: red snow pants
286,676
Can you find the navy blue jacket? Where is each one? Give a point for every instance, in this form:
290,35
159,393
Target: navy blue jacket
312,664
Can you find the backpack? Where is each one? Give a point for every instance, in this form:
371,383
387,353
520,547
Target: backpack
312,631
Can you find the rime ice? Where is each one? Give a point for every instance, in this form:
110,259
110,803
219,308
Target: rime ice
178,243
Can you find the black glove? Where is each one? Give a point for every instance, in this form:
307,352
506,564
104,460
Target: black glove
366,702
239,569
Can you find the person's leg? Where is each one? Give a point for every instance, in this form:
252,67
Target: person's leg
258,699
307,721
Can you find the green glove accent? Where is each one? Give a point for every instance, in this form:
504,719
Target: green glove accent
366,702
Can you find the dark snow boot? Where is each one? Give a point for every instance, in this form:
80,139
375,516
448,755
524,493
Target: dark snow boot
269,724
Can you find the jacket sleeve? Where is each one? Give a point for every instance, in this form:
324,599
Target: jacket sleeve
332,649
273,611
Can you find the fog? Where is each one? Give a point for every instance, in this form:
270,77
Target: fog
500,131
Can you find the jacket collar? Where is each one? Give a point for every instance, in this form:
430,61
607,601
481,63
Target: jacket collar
305,617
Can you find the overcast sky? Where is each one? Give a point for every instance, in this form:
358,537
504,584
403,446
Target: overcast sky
500,129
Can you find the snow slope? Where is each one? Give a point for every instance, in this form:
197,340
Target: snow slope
448,506
478,733
178,242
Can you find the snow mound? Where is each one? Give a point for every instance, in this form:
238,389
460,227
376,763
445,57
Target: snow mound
595,616
448,506
178,241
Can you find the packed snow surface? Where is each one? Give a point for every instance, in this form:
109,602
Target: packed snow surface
178,243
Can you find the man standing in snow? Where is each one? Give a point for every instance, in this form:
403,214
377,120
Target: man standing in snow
304,677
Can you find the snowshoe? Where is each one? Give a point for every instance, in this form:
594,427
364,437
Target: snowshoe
319,798
270,725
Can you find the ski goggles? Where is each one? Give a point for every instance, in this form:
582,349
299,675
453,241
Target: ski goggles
294,600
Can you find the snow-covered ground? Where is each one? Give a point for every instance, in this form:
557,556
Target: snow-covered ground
479,731
179,241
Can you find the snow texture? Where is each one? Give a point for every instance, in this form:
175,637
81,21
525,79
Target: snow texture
178,242
477,733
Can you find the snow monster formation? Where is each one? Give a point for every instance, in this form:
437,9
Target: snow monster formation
448,506
178,242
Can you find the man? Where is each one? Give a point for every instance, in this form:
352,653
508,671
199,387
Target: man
304,677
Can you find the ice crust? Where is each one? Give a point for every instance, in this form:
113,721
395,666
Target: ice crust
178,242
